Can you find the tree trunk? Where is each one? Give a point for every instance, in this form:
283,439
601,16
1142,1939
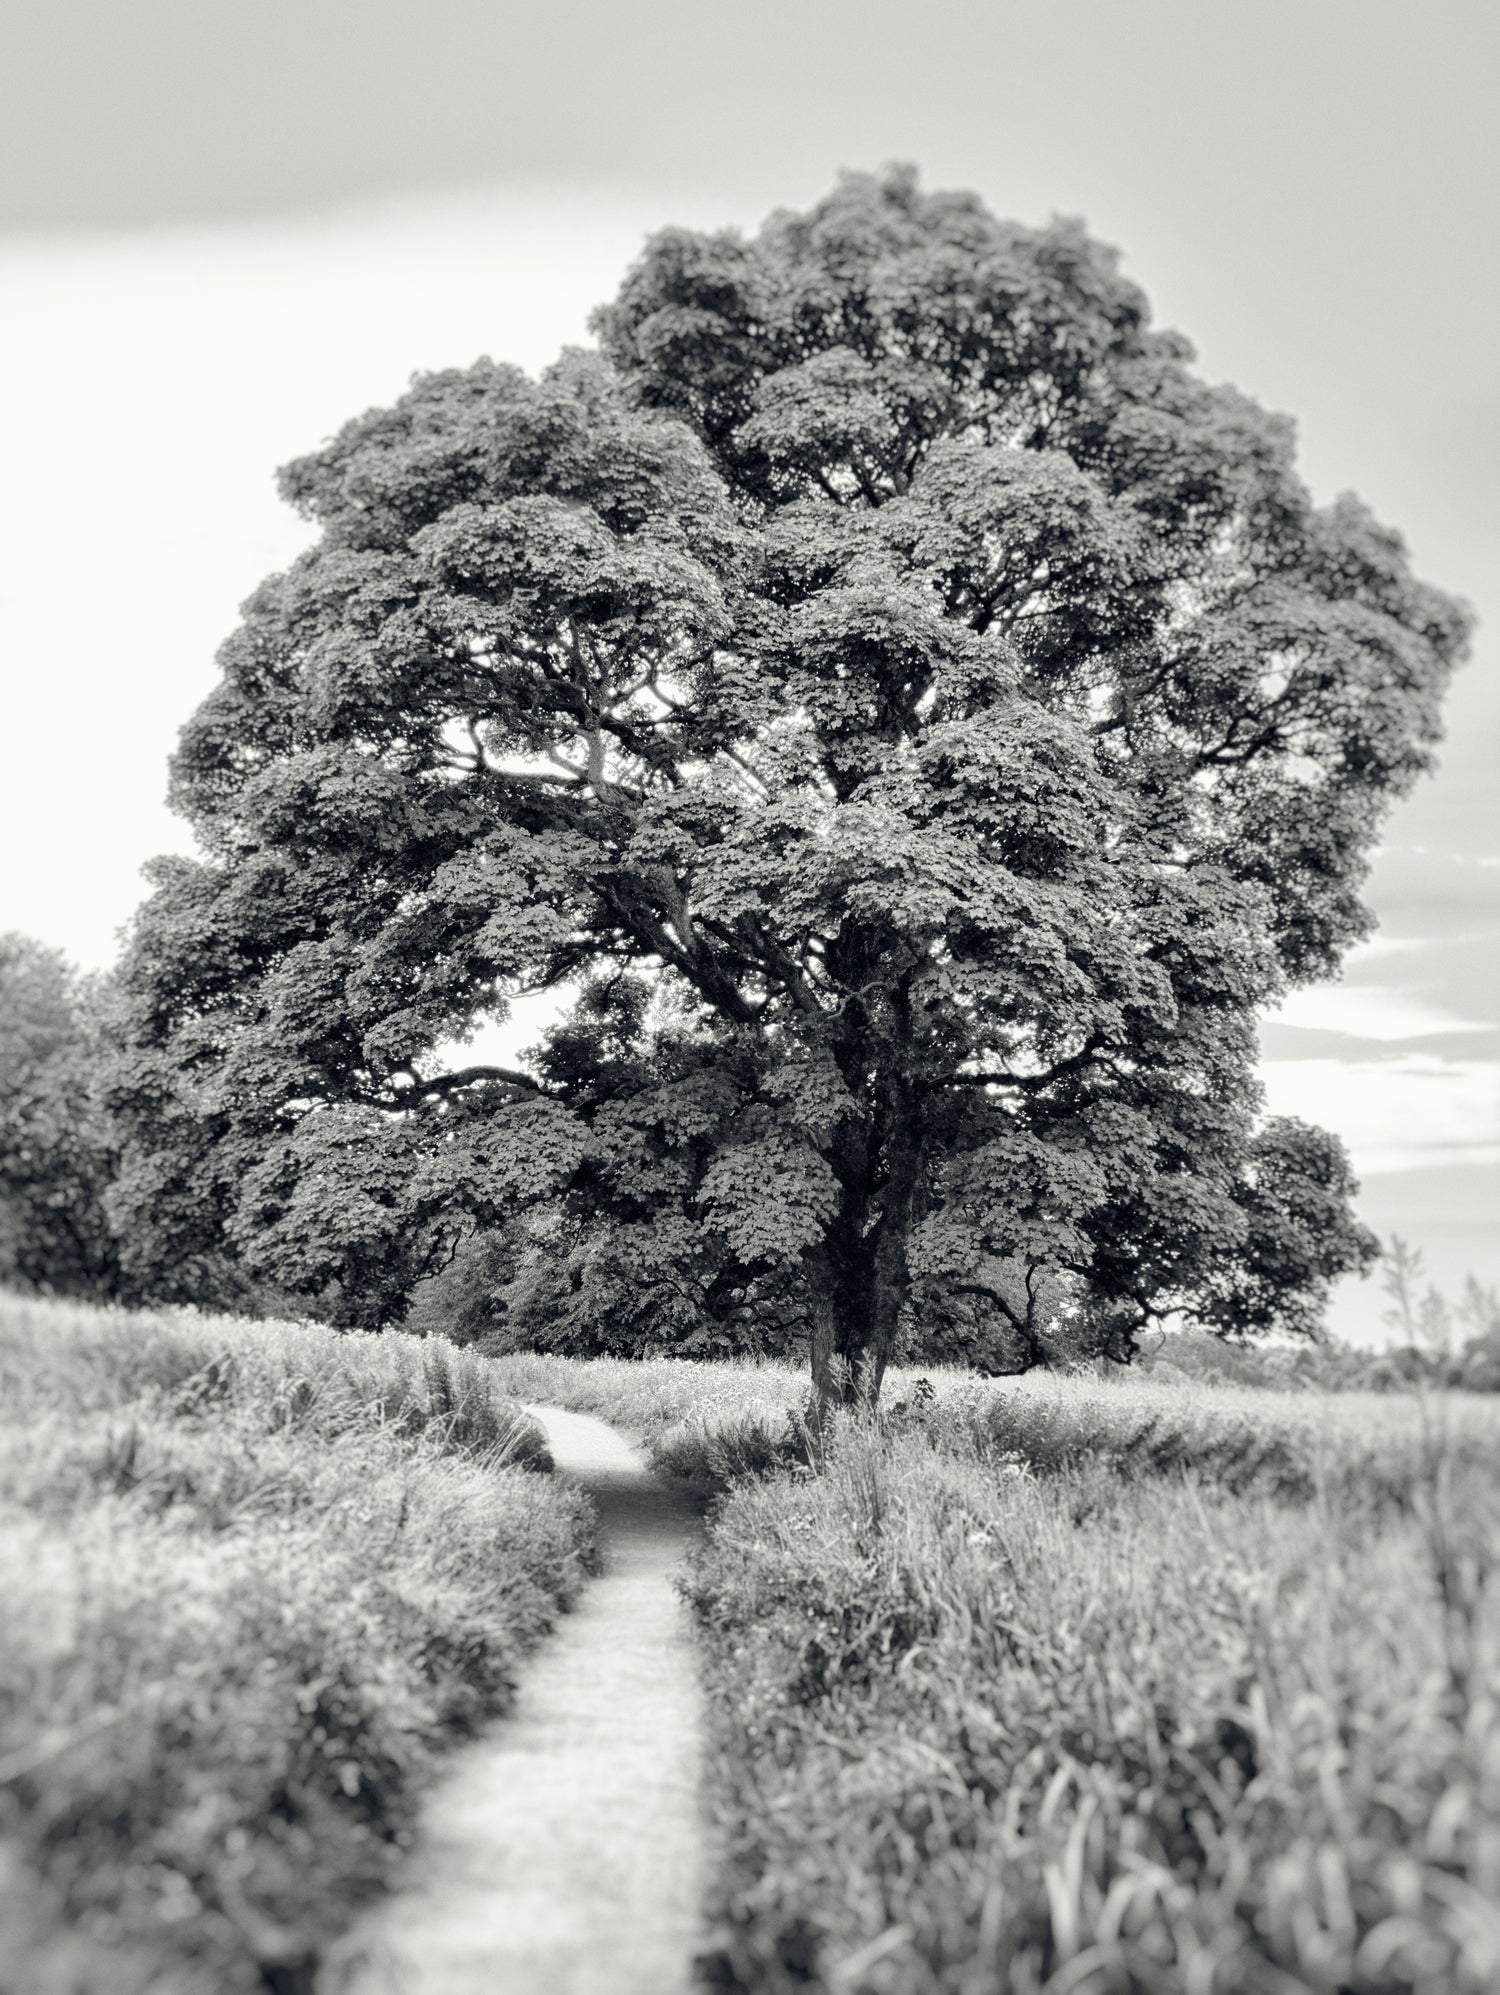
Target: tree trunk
859,1288
840,1332
859,1275
889,1276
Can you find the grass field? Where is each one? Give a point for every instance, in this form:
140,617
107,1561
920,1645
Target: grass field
1104,1689
1092,1686
256,1578
1085,1686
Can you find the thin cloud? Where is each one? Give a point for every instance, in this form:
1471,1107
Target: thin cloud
1381,1012
1414,1112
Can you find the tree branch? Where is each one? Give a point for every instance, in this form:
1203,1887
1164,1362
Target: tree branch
467,1076
573,782
693,961
1029,1083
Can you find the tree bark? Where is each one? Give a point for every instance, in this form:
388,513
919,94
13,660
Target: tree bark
890,1280
839,1330
859,1276
859,1283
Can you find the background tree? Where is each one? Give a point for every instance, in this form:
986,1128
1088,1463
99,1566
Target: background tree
912,720
56,1146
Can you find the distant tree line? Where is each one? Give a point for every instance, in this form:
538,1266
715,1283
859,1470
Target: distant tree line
58,1152
62,1153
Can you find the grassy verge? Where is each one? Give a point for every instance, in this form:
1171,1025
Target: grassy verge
714,1424
256,1577
1179,1716
706,1424
1352,1447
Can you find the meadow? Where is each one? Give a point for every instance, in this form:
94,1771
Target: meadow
1091,1686
257,1579
1098,1690
1097,1686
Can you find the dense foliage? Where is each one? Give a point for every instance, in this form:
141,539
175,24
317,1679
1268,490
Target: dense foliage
908,719
56,1145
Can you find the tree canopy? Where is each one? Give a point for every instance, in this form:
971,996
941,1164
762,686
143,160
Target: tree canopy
909,719
56,1146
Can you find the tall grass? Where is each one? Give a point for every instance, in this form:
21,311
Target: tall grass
1142,1721
713,1423
1368,1446
256,1577
705,1424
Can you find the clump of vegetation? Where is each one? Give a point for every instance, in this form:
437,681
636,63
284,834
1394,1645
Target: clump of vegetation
1362,1448
1131,1724
1443,1343
704,1425
257,1576
57,1149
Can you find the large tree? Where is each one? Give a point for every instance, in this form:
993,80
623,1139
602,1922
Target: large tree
909,719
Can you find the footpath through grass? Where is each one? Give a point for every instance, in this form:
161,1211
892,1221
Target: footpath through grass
256,1577
705,1424
1098,1688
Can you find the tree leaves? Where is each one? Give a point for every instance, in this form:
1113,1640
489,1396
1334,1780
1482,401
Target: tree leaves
56,1146
770,1196
907,720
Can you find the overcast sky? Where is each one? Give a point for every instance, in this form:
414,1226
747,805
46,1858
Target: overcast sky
224,230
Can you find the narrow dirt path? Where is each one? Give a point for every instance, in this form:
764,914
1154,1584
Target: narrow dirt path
563,1853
